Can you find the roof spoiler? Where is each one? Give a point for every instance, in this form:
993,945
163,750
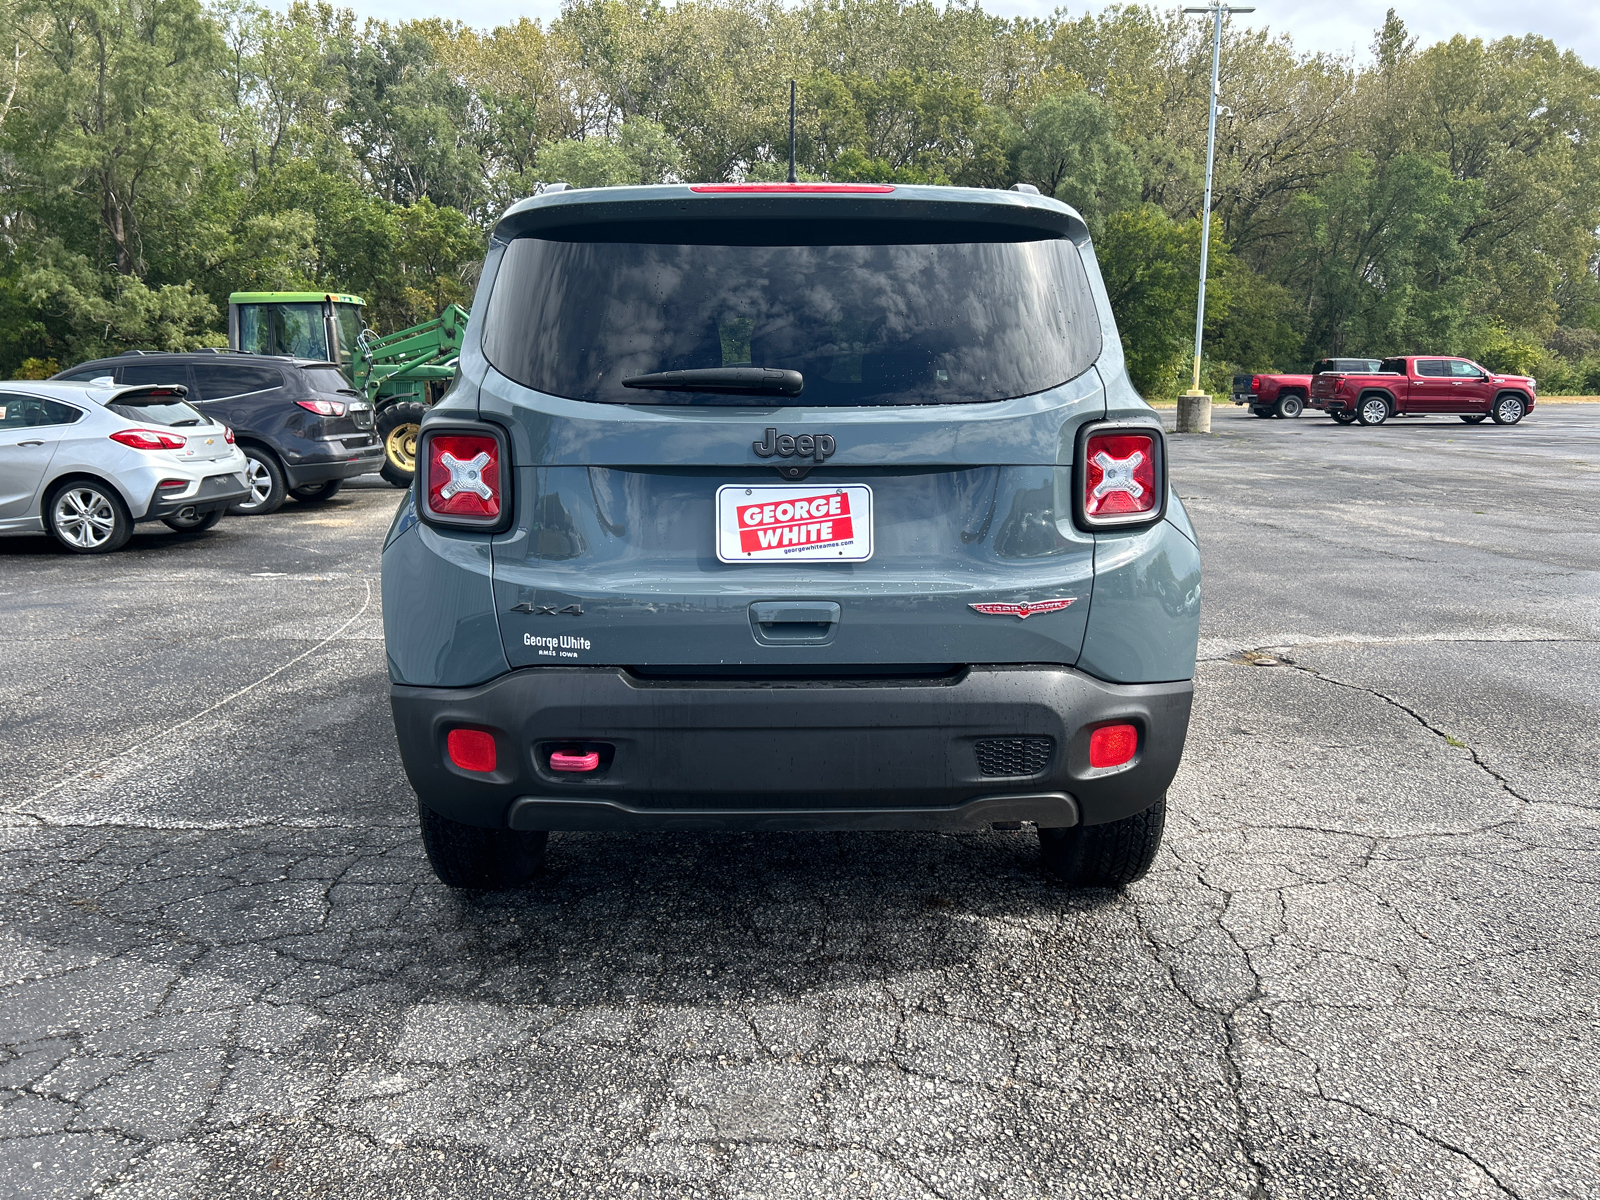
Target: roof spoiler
172,391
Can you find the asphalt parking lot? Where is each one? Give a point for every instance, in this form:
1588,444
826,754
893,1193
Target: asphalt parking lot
1364,966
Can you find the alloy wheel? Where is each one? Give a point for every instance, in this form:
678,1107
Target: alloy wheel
1508,410
259,480
85,517
1374,412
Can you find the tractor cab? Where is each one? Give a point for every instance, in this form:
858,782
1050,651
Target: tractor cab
325,326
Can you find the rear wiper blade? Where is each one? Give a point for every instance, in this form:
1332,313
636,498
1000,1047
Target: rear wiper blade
726,381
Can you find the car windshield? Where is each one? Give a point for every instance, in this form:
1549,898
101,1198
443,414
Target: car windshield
868,314
157,410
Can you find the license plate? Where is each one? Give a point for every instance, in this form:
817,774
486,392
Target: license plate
794,523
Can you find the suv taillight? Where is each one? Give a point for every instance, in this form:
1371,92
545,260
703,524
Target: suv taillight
323,408
465,477
150,439
1122,475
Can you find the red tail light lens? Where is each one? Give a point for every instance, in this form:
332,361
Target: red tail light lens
471,749
172,485
1255,383
150,439
465,480
876,189
323,408
1124,477
227,436
1113,745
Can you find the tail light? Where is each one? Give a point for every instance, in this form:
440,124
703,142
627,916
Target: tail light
1255,383
150,439
464,477
1112,745
471,749
227,436
169,485
1122,475
323,408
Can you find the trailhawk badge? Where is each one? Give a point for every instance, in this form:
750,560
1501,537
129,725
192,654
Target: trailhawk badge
1023,611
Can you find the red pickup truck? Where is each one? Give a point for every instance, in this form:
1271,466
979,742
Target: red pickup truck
1286,395
1419,386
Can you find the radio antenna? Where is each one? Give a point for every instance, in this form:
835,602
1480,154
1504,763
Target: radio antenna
793,178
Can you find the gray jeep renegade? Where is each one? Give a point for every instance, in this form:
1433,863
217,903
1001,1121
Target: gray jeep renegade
788,507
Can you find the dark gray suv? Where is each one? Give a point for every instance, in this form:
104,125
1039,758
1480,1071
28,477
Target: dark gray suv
302,427
785,507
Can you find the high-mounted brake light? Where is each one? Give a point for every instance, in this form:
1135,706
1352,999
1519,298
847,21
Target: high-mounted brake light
471,749
150,439
1112,745
1122,476
323,408
873,189
465,478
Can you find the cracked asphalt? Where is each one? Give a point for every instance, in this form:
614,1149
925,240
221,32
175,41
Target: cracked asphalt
1364,966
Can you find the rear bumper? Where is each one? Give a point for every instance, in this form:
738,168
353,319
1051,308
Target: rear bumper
213,492
343,465
722,754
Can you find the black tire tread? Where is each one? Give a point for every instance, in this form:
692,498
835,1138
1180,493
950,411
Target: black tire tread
1112,855
316,493
477,859
402,412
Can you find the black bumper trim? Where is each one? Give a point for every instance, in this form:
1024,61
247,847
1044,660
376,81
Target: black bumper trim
215,491
859,755
1051,810
346,466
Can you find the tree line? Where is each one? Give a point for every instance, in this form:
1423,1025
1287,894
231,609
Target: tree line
157,154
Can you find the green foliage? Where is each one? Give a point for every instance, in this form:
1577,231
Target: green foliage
1067,149
157,154
1510,353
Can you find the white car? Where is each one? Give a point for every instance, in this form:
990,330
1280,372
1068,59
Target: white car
85,461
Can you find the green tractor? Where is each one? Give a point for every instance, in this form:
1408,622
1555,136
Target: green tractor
401,374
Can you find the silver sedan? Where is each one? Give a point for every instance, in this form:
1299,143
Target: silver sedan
84,462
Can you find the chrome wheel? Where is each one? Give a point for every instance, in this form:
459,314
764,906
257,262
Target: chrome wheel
84,517
1374,411
1508,410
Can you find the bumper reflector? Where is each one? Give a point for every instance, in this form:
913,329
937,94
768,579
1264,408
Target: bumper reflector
471,749
574,762
1112,745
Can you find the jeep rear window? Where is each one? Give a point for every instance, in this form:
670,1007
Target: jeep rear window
868,313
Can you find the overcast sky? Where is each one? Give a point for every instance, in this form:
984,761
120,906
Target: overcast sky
1341,26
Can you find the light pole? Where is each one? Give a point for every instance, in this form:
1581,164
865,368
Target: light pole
1218,10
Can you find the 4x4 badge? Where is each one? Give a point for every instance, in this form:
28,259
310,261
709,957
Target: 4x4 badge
815,446
1023,611
547,610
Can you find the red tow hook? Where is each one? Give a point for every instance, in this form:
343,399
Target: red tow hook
574,762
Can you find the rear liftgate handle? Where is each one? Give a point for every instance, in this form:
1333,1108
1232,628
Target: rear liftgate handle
794,620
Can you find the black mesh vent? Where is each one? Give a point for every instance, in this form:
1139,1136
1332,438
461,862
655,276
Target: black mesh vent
1014,756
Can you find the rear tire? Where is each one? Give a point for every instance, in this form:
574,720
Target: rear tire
477,859
194,523
88,517
1290,406
1373,410
1508,409
1108,856
1261,412
1343,417
268,487
397,427
316,493
1475,418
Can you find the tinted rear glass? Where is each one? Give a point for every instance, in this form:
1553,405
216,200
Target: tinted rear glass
326,379
866,315
157,410
217,381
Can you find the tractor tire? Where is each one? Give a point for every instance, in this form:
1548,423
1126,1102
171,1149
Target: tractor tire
398,426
